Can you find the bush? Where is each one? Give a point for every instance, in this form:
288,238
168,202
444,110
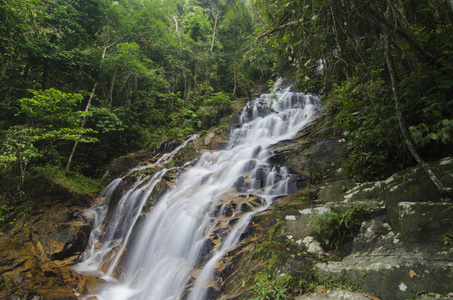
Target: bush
268,287
336,227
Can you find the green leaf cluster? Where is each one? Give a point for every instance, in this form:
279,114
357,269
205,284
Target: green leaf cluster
448,239
268,287
335,227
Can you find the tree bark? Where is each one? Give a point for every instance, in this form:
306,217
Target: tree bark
82,125
87,108
235,81
177,30
338,42
216,17
439,185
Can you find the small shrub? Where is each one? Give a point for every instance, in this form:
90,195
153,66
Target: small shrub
336,227
268,287
4,208
270,257
448,239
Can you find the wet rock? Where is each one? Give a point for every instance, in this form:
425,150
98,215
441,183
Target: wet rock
169,144
56,230
77,243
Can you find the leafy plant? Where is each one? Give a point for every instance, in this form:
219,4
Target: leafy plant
269,256
365,114
335,226
274,228
4,208
268,287
309,196
448,239
25,206
440,132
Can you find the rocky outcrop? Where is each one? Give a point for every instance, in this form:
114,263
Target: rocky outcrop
38,250
400,248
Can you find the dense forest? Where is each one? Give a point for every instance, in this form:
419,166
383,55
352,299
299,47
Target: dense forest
84,81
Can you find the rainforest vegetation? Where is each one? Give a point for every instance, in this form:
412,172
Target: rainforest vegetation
85,81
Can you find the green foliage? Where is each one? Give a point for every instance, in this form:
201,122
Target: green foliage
309,196
4,209
75,182
336,227
365,114
274,228
51,120
269,256
51,116
448,239
336,48
422,134
216,107
159,69
25,204
271,287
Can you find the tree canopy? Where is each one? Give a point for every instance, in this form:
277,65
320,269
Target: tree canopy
114,76
338,48
85,81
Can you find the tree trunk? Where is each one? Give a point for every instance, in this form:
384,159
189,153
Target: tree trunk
235,82
111,89
177,30
440,187
82,125
216,17
87,108
45,73
338,42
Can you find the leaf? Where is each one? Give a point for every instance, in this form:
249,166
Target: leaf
412,273
432,136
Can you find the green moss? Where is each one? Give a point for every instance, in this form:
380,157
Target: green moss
309,196
73,182
274,228
413,190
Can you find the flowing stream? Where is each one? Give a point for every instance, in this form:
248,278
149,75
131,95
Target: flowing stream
170,253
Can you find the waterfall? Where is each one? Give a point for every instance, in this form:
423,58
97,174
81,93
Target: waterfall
173,252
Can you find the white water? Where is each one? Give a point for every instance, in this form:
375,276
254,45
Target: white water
162,258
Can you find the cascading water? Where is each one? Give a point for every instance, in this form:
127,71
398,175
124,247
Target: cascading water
175,250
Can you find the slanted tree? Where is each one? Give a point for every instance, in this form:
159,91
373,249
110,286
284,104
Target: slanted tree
52,119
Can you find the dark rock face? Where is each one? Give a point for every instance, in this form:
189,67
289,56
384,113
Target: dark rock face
37,251
314,153
77,243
